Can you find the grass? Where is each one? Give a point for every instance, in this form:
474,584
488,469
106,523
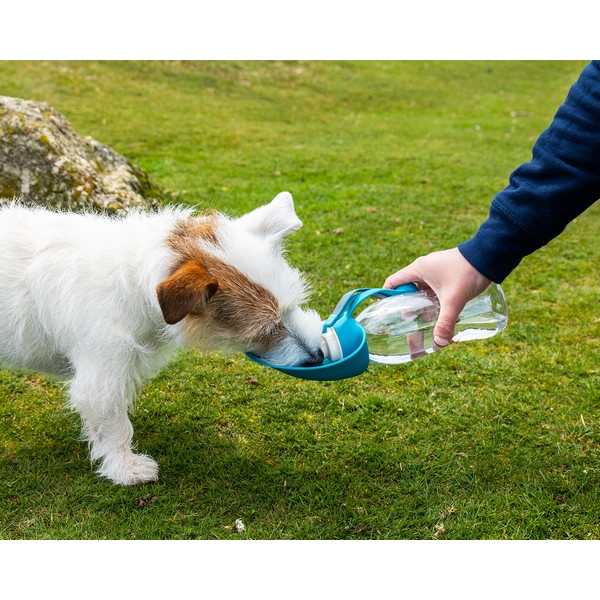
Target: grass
387,161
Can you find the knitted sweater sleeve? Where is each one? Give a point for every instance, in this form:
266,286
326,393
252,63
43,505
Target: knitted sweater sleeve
546,194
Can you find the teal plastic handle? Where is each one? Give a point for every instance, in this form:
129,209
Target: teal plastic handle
348,303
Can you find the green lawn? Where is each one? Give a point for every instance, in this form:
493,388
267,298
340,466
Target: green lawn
386,161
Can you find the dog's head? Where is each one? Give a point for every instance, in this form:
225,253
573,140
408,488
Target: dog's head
233,289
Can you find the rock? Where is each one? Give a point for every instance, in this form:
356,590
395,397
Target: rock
239,526
45,161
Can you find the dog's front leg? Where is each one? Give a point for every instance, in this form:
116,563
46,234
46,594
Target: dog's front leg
101,397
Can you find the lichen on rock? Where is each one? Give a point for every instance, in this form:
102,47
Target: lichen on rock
45,161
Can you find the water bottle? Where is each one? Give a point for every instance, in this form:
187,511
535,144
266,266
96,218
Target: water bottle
400,328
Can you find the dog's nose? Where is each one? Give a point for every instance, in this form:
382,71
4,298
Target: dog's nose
315,360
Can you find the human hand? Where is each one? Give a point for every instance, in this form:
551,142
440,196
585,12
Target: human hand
453,280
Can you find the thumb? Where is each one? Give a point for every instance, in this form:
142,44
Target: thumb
443,331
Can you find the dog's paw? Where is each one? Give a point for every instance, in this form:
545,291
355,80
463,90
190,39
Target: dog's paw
127,468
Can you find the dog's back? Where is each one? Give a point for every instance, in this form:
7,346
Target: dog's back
65,278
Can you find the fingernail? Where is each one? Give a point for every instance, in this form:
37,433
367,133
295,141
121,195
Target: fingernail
440,341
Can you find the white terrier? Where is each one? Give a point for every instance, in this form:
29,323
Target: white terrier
105,302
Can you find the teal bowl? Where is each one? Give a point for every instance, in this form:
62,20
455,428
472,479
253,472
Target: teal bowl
355,352
350,335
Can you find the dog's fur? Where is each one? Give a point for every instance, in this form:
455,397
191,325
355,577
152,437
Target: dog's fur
105,302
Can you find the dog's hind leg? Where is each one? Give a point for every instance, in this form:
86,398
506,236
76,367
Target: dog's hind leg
101,397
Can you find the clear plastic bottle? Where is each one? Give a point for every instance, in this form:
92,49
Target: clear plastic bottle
400,328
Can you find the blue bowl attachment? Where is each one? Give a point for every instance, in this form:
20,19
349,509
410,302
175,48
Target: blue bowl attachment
344,341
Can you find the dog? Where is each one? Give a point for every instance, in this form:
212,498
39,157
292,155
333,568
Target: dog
105,302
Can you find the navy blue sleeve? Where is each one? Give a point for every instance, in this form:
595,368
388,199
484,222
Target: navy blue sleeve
546,194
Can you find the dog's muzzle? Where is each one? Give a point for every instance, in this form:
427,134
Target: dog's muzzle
315,360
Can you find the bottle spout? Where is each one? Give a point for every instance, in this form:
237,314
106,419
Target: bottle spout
330,345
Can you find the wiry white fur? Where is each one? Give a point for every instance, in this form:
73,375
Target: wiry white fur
78,299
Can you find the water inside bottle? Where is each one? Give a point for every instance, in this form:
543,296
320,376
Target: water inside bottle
482,318
399,329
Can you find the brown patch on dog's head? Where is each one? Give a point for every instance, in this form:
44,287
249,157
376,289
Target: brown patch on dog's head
189,286
221,306
186,290
242,314
188,233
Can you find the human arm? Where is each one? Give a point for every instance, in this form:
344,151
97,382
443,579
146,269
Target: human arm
543,196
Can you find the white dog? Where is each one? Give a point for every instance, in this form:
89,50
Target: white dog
105,302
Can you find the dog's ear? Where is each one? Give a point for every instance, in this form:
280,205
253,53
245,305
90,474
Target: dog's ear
183,291
274,220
